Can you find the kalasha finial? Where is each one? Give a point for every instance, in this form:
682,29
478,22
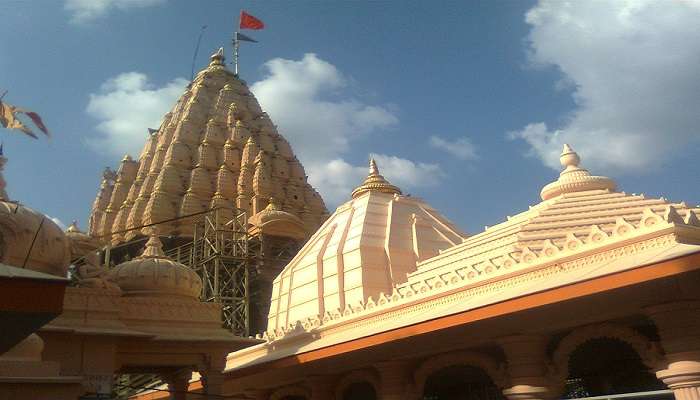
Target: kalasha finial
73,227
375,182
373,170
574,178
218,57
568,157
154,247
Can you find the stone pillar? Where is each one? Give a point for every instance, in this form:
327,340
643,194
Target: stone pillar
213,375
178,384
322,387
527,368
679,327
396,382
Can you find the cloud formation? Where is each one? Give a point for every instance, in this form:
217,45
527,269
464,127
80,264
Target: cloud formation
461,148
83,11
633,71
306,98
337,178
126,106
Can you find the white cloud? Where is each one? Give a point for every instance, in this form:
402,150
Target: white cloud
87,10
337,178
461,148
306,100
309,102
126,106
633,69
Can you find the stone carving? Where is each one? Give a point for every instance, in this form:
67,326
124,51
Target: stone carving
93,275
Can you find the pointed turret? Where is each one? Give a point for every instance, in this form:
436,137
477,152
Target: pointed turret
375,182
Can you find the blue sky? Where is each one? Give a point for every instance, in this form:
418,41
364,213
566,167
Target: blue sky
465,104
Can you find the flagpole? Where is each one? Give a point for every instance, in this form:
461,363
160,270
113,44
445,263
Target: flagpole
235,46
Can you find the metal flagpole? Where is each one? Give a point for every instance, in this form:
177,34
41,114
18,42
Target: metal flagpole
235,46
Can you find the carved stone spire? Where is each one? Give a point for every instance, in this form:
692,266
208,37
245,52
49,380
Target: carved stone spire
375,182
574,178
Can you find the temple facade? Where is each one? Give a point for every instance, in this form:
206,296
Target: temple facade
592,292
215,148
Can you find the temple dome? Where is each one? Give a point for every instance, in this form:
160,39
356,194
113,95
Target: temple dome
154,274
273,221
366,247
217,123
574,178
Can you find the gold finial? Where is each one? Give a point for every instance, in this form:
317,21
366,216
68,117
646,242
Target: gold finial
375,182
73,227
218,57
273,205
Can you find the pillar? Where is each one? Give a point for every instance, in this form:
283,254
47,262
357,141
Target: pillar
396,382
679,328
322,387
178,384
213,375
527,367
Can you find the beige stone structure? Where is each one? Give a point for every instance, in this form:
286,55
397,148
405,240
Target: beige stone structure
143,316
216,148
388,300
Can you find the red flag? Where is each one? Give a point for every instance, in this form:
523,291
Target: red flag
250,22
37,121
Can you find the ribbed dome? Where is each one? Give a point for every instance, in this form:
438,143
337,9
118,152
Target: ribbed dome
272,220
367,246
217,123
154,274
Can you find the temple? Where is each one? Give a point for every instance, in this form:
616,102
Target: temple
591,293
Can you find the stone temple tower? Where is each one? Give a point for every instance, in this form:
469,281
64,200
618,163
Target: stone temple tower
216,147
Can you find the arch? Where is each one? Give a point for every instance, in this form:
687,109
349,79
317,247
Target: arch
495,370
358,376
293,390
649,352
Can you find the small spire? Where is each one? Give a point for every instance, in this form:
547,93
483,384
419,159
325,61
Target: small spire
574,178
373,170
375,182
273,205
127,158
154,247
218,57
74,227
569,158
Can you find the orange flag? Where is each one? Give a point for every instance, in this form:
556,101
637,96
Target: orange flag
9,120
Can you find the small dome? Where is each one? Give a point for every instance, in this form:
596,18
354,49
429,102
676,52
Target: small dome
574,178
21,226
273,221
154,274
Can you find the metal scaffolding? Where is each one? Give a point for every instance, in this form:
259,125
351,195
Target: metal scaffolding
219,253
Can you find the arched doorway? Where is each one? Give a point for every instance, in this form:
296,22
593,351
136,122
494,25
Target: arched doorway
607,366
460,382
359,391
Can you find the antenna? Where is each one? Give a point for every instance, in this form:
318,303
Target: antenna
196,50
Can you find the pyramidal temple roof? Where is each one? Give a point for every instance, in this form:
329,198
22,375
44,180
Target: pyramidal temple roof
583,228
216,147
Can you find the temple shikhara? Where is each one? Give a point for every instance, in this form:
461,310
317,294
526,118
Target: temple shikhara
211,269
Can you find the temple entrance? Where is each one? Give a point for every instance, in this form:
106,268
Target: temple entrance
359,391
461,382
605,366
